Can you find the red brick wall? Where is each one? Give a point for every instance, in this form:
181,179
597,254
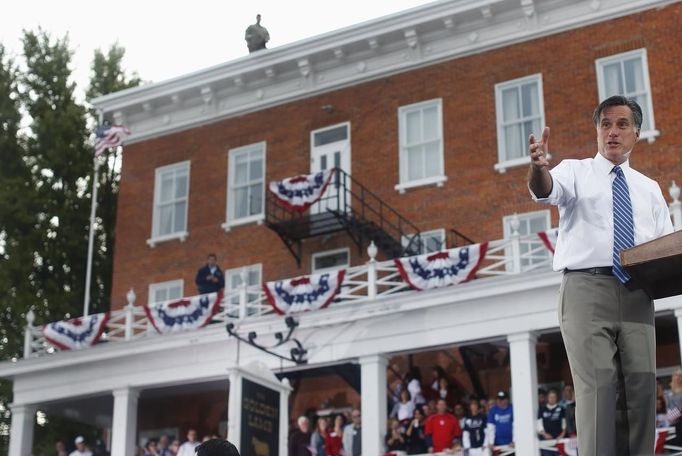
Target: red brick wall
473,200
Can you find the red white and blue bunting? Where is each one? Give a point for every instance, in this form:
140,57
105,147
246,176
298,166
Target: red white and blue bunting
76,333
298,193
185,315
304,293
442,269
549,238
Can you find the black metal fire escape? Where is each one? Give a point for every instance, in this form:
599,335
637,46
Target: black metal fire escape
348,206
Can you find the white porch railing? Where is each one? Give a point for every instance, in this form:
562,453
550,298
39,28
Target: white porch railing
515,255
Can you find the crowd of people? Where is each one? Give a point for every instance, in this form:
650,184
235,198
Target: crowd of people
163,445
434,417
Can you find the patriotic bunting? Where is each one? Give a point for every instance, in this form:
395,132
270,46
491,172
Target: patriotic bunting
549,238
661,437
305,293
76,333
441,269
300,192
184,315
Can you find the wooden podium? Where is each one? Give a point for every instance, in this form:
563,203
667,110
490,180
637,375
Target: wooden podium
656,266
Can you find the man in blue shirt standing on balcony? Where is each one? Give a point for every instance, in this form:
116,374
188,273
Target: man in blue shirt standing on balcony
210,278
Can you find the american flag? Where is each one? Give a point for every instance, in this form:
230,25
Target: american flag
673,415
109,136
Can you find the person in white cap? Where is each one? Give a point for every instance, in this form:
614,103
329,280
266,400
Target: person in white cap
81,449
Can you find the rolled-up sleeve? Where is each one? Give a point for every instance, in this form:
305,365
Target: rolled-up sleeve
563,189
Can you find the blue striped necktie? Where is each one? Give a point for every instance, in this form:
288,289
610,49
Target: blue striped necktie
623,225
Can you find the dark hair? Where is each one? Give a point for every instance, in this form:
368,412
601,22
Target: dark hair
212,255
403,391
619,100
217,447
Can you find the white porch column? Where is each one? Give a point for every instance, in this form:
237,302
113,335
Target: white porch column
373,403
21,432
524,378
124,426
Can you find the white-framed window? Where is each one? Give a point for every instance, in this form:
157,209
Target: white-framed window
233,280
627,74
432,241
330,260
520,111
529,223
171,198
420,129
246,185
165,291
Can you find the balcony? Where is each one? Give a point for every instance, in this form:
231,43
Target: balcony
361,284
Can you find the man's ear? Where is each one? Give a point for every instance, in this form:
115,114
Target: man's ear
637,134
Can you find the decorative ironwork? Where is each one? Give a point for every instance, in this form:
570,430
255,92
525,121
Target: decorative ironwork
297,353
348,206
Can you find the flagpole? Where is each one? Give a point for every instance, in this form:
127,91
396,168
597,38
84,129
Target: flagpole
91,237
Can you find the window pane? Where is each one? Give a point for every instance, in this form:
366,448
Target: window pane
165,219
413,127
256,199
612,80
241,169
254,277
538,223
166,190
432,243
331,260
240,202
432,159
414,163
430,121
179,216
256,169
181,185
160,295
531,126
510,104
512,137
331,136
175,292
643,102
634,76
529,99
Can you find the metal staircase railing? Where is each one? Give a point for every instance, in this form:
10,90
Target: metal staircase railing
349,206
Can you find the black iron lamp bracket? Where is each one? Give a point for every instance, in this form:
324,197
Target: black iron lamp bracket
297,354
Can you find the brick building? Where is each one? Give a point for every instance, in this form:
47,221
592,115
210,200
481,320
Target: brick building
429,112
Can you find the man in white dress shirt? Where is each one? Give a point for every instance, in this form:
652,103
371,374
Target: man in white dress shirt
607,324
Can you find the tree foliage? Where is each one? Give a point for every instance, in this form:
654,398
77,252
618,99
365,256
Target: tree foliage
46,168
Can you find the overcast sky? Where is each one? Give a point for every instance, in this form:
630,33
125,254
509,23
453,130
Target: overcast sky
167,39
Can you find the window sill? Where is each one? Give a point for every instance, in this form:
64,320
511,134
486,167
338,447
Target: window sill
438,181
649,135
502,167
257,219
182,236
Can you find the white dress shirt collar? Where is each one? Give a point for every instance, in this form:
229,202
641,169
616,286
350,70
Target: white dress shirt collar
606,166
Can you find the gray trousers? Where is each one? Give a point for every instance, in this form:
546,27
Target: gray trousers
610,340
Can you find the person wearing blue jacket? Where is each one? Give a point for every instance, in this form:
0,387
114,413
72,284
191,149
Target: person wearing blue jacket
210,278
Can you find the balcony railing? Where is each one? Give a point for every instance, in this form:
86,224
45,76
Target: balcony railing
374,279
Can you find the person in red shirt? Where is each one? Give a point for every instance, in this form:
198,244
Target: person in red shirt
443,428
333,442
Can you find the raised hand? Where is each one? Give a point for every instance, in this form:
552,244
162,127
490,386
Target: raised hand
538,150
